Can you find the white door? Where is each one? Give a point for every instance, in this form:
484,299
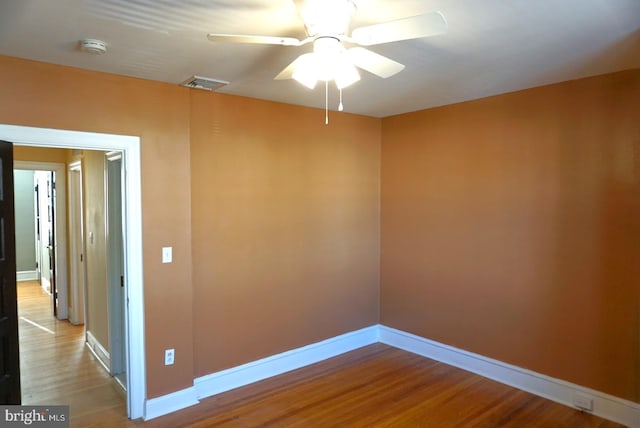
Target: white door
115,265
76,247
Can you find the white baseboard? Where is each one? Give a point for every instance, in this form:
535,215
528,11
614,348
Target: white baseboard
27,275
246,374
604,405
274,365
46,284
170,403
99,351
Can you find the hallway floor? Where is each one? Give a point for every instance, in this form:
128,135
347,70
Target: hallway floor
56,368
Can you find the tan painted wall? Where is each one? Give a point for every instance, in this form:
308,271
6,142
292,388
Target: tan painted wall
511,228
285,225
50,96
40,154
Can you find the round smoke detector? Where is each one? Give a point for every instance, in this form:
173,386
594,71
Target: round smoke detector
93,46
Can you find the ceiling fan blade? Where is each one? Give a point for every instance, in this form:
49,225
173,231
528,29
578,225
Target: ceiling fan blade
429,24
373,62
300,5
263,40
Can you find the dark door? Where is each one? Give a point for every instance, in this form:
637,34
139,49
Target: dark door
9,355
51,201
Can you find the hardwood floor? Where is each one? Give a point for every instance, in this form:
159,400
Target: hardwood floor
379,386
375,386
56,367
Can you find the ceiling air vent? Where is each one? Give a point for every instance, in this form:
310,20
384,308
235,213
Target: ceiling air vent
205,83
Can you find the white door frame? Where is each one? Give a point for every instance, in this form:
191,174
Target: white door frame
60,218
134,315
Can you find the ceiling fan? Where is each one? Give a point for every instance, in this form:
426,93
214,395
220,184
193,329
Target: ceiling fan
327,24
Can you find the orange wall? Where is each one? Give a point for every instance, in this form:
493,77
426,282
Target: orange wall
285,212
285,224
510,227
44,95
40,154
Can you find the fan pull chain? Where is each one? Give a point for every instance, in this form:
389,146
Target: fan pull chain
326,102
340,106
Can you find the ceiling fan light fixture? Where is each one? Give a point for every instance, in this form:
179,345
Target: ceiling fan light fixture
306,72
345,74
327,52
305,79
329,61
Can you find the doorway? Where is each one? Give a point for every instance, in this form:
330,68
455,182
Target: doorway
44,188
132,230
50,230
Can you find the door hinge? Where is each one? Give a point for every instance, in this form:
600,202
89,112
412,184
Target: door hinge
121,280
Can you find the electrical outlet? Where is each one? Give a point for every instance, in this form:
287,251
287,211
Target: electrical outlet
169,356
583,401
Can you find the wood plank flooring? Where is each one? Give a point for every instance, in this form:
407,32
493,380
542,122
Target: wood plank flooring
56,367
375,386
379,386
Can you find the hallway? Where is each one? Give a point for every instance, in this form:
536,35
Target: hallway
56,367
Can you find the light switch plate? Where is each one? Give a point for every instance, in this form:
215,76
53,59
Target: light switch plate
167,254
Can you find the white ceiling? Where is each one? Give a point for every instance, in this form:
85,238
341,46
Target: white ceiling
491,47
